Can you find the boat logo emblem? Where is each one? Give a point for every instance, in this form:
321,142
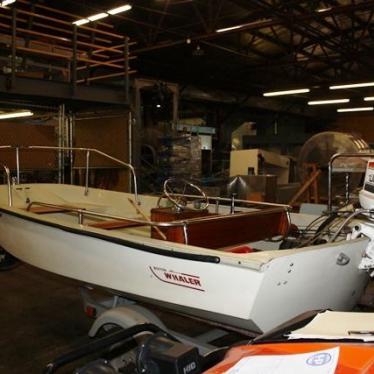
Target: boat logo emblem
319,359
178,279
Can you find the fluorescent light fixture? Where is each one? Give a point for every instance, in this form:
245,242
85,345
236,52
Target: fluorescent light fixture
98,16
7,2
353,85
321,10
81,22
288,92
369,98
121,9
102,15
24,113
236,27
362,109
230,28
322,102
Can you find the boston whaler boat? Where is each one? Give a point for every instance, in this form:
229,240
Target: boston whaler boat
245,265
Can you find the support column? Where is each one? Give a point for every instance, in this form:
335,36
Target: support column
127,70
14,46
74,65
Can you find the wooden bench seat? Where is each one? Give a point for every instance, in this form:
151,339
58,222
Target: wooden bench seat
115,224
47,209
229,231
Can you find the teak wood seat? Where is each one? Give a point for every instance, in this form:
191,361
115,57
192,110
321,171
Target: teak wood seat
227,231
115,224
47,209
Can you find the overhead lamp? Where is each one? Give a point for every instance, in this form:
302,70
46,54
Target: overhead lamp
121,9
321,10
98,16
362,109
369,98
230,28
7,2
353,85
287,92
322,102
81,22
236,27
24,113
101,15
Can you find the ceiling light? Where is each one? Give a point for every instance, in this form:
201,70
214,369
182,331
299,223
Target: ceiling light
362,109
230,28
321,10
98,16
354,85
288,92
322,102
7,2
236,27
81,22
121,9
24,113
369,98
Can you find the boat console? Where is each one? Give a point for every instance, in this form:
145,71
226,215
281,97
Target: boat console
202,228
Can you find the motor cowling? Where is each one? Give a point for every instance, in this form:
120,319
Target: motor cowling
366,195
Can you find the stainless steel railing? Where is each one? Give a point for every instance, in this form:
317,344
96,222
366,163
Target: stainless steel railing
10,196
83,212
88,152
180,223
248,203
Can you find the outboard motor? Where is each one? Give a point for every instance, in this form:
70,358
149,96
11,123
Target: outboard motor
366,195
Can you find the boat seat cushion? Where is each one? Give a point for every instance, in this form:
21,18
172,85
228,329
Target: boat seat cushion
239,249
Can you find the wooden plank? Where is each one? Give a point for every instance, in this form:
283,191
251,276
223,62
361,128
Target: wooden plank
115,224
313,177
46,210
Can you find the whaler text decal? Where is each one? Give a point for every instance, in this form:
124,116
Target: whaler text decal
178,279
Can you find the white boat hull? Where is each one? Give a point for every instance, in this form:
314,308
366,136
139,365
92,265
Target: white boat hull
256,299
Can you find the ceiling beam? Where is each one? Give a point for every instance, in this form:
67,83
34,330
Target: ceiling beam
257,25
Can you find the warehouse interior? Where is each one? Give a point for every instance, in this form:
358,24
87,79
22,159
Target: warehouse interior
234,137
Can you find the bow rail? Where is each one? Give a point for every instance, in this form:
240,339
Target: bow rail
88,152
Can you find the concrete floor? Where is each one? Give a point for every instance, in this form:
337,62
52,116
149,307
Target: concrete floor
41,317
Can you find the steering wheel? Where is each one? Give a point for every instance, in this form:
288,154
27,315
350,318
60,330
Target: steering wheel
175,191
